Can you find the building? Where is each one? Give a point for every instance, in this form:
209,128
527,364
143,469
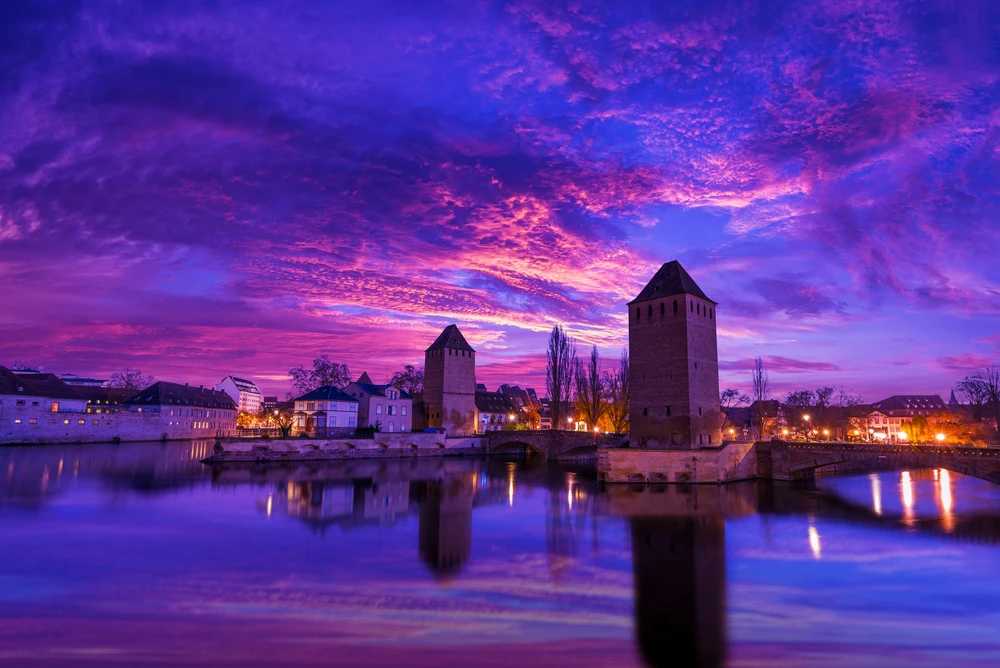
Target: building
386,405
269,404
30,399
495,411
184,409
892,419
78,381
243,393
674,372
105,399
450,383
325,411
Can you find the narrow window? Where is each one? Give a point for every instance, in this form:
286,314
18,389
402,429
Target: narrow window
699,410
711,314
55,406
675,307
668,410
645,411
692,307
638,313
699,309
649,311
663,309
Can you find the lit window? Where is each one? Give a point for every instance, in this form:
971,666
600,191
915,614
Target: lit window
20,402
81,421
32,421
404,410
378,409
97,422
17,421
55,406
65,421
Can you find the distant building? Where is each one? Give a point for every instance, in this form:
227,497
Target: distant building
450,383
269,403
387,405
674,371
523,399
325,411
243,392
199,409
79,381
105,399
495,410
28,397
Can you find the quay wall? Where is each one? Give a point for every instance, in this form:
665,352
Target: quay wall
396,444
733,461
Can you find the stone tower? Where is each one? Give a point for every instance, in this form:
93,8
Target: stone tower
674,364
450,383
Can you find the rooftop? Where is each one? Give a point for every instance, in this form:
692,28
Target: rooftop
162,393
671,279
326,393
451,338
35,385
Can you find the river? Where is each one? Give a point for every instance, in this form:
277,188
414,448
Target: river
130,555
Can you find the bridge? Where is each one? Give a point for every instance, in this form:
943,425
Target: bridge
552,444
782,460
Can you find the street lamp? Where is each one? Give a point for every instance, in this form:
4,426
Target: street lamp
939,437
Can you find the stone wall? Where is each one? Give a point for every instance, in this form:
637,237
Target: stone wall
734,461
311,449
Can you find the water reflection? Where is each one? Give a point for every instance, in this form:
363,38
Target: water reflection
671,541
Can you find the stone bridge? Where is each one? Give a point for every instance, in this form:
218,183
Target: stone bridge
797,461
780,460
550,443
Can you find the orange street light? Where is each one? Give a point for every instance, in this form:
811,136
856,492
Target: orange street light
784,432
806,417
596,430
939,437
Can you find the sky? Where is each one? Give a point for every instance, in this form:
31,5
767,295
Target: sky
200,189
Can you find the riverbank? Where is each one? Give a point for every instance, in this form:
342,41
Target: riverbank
386,445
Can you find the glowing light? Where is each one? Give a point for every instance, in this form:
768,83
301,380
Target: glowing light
270,504
939,437
876,493
596,430
903,436
510,417
947,501
569,420
814,541
784,432
826,432
732,431
806,418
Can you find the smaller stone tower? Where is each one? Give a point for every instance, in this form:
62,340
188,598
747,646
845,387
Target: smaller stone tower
674,364
450,383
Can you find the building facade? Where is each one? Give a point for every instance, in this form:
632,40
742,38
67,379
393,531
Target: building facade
495,410
324,412
674,370
243,392
184,409
386,405
450,383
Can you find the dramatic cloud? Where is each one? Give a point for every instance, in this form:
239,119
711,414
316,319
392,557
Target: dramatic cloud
238,188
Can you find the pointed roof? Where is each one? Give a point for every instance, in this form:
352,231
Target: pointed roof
364,378
451,338
953,400
671,279
326,393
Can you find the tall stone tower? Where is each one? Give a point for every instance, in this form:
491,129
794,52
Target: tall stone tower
450,383
674,364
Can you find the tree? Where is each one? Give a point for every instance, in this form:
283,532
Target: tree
823,396
559,367
590,389
617,383
409,380
761,393
283,417
728,400
323,372
800,398
976,394
129,378
532,418
991,379
920,429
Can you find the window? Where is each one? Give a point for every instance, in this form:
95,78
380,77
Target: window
81,421
692,307
55,406
668,411
310,405
402,426
649,311
404,410
17,421
663,309
392,426
711,314
675,306
97,422
638,313
34,403
699,410
333,421
645,411
20,402
351,422
378,409
33,421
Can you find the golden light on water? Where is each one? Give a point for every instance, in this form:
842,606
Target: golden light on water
947,501
906,490
876,493
270,504
814,541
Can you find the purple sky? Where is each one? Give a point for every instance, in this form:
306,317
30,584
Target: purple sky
237,188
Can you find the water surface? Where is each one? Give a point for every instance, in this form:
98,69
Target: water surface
125,555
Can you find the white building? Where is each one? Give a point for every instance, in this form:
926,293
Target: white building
243,393
387,405
326,411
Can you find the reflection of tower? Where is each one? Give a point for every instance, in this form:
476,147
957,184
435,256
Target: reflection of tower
446,524
679,567
450,383
674,372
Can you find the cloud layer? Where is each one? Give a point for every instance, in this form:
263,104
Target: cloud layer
200,191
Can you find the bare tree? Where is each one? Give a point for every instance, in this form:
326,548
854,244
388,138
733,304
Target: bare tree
728,400
991,379
976,393
323,372
761,393
559,367
618,391
410,379
591,389
130,378
824,395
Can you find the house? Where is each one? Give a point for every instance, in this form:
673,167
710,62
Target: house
386,405
496,410
37,398
325,411
243,392
106,399
183,409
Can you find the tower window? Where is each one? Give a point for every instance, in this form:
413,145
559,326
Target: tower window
668,411
663,309
711,314
699,410
692,307
645,411
638,313
698,310
649,311
675,307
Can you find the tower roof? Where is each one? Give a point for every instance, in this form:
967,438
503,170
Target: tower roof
671,279
451,338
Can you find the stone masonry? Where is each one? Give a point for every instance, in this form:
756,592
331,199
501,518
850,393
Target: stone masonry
450,383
